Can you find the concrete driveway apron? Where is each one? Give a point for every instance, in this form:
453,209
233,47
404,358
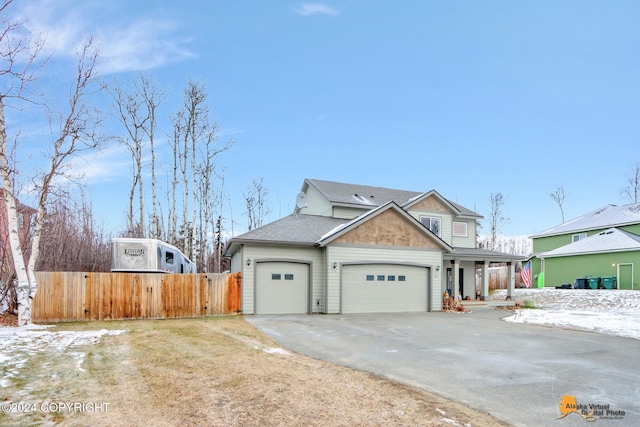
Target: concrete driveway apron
518,373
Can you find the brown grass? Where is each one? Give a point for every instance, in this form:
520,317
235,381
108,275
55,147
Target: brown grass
216,372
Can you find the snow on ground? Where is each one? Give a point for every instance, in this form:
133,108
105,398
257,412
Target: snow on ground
603,311
610,312
18,345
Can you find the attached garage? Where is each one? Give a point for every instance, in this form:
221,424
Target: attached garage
281,288
384,288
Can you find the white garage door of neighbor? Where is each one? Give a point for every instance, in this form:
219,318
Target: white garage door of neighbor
282,288
384,288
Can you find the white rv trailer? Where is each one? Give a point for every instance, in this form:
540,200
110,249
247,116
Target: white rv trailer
148,256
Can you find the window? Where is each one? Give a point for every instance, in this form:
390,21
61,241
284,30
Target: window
577,237
20,220
401,278
391,278
432,223
288,277
370,277
460,229
168,257
381,278
276,276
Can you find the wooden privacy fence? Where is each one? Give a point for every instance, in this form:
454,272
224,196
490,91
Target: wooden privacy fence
77,296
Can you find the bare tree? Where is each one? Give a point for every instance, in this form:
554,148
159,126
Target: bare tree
632,191
136,109
152,98
558,196
196,147
496,217
130,110
73,132
257,204
71,239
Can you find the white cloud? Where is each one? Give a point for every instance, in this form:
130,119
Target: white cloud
314,8
108,164
141,43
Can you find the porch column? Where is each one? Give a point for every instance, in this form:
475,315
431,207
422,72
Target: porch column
456,278
511,281
484,293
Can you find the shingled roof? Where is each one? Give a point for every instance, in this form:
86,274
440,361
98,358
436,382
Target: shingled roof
302,230
610,240
368,197
602,218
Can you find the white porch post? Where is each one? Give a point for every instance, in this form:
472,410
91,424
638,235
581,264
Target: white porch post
484,294
512,278
456,278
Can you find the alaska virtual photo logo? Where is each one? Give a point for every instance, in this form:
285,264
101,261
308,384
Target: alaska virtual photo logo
590,412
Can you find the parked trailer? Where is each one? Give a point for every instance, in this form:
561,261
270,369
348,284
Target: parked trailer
148,256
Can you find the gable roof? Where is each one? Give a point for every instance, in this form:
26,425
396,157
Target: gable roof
433,193
345,228
368,197
602,218
610,240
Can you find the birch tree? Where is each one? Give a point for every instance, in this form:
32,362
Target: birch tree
73,132
196,146
130,110
136,109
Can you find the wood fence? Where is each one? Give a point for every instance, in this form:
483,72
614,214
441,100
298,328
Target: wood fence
77,296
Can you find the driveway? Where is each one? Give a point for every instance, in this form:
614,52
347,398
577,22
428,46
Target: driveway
518,373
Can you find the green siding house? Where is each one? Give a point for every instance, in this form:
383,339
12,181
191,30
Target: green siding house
604,244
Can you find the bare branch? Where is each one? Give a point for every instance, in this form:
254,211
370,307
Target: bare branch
558,196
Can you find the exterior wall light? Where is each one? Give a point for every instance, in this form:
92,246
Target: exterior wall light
437,268
248,262
335,265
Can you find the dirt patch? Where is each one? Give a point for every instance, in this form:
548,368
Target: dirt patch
217,372
8,319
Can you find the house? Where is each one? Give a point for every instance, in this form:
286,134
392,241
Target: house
24,232
355,248
604,243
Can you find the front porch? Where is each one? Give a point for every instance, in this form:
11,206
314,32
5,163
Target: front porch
465,262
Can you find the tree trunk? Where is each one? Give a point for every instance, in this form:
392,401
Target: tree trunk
24,289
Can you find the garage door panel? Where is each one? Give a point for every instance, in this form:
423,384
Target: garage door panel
384,288
282,288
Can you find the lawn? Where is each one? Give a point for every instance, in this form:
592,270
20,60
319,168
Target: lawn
216,371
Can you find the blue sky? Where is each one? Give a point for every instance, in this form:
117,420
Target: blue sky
465,97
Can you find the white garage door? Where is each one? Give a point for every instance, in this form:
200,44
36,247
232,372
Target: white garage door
282,288
384,288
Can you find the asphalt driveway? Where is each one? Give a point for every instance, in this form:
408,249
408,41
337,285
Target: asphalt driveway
518,373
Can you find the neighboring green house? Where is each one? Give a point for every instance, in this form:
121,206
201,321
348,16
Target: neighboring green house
360,249
604,244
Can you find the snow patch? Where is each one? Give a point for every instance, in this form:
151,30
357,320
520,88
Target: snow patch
607,312
19,345
276,351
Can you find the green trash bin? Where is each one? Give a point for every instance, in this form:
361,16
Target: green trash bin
609,282
594,283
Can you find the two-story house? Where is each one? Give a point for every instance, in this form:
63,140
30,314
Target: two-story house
604,243
354,248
